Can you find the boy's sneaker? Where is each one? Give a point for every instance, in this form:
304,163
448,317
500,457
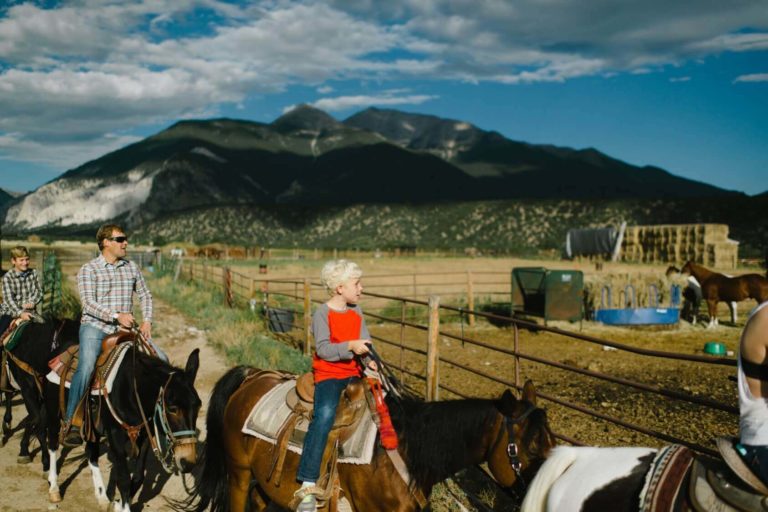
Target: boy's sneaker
308,503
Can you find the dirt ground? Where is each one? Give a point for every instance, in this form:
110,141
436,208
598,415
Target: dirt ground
23,487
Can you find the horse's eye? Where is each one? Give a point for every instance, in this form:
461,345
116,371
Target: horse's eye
173,409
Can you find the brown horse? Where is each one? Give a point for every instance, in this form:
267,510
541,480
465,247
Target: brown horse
718,287
437,439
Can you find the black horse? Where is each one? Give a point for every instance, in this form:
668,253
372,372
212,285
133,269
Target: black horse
28,365
151,402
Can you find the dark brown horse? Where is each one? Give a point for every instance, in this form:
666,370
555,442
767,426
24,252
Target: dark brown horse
717,287
437,439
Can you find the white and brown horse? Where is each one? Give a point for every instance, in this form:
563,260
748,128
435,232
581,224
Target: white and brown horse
716,287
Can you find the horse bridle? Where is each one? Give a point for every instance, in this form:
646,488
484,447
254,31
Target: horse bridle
172,438
513,452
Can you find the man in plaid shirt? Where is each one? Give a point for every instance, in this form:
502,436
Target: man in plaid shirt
21,289
106,285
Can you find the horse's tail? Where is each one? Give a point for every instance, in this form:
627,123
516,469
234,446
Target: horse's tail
211,488
557,463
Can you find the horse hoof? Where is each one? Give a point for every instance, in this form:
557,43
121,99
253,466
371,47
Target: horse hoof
24,459
54,496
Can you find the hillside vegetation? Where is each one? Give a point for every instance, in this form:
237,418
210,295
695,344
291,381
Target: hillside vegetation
519,227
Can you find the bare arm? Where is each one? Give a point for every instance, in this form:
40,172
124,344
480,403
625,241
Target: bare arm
754,348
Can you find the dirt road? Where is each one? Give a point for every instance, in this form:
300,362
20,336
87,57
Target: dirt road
23,487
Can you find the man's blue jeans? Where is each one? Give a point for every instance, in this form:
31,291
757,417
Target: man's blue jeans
90,346
327,394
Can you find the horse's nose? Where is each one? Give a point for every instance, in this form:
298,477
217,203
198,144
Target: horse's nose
186,466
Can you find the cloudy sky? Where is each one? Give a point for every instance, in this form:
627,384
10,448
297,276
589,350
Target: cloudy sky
682,85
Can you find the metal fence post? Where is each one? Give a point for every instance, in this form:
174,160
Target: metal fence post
433,379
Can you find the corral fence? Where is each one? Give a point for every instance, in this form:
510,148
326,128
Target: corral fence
424,340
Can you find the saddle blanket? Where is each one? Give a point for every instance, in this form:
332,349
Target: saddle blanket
269,414
663,491
13,334
58,366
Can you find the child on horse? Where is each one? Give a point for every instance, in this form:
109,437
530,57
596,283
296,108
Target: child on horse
21,289
341,338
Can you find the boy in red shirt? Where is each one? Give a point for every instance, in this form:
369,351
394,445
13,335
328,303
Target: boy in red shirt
340,336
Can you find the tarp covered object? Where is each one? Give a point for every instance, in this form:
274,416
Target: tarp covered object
590,242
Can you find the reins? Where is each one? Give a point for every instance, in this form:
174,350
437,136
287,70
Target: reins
173,439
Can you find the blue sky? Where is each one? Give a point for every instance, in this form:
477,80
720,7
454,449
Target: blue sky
681,85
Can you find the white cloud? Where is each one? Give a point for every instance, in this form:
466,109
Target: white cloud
345,102
73,73
757,77
676,79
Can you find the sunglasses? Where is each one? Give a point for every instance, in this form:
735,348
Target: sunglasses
118,239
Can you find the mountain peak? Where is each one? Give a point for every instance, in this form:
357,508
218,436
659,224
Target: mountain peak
305,117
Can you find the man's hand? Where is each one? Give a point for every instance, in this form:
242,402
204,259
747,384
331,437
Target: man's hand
125,319
359,347
146,330
25,315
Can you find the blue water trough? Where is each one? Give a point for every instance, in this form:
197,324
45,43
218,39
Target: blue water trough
639,316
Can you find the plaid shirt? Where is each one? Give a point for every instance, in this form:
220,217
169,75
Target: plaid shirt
19,288
106,289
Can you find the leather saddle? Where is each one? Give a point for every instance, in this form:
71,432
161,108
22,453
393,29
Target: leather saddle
348,414
713,487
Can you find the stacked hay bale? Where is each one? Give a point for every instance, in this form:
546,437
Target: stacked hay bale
707,244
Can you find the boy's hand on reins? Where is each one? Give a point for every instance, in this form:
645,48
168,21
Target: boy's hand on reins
359,347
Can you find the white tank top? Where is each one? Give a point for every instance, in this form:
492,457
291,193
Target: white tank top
753,418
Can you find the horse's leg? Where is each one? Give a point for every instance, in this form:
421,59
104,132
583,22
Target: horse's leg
137,480
258,499
734,311
31,402
8,416
712,308
99,489
239,482
122,476
52,424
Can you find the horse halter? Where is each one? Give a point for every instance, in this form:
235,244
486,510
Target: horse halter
167,439
171,439
513,452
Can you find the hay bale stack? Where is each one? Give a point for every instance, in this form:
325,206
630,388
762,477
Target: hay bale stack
707,244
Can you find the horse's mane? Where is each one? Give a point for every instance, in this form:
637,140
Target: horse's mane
439,438
558,462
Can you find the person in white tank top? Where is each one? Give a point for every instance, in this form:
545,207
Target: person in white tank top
753,392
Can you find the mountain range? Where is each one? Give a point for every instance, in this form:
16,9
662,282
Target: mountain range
308,160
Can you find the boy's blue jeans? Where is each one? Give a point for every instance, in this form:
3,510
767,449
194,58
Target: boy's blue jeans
90,347
327,394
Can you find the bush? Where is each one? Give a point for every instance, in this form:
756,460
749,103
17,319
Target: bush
238,333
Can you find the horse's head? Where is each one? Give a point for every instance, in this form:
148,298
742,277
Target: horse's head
524,439
176,415
687,268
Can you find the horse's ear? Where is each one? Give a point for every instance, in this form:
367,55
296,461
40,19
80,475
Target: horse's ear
529,392
506,403
193,363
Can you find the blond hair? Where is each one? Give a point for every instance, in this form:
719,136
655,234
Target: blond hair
338,272
19,252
